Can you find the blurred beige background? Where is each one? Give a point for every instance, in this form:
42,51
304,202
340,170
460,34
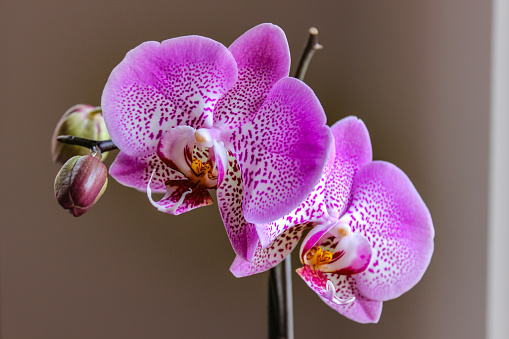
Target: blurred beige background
417,73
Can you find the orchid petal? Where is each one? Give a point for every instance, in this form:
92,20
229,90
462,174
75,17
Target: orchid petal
353,150
181,196
162,85
263,57
282,152
266,258
387,209
136,172
361,309
312,210
242,234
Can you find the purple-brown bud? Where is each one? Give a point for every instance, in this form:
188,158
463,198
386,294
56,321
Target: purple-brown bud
80,183
82,121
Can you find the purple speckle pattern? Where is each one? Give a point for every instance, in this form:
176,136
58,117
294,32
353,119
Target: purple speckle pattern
389,212
199,196
362,310
282,152
353,150
263,57
242,234
266,258
162,85
311,210
136,171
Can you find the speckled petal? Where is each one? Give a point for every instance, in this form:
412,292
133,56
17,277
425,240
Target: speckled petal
162,85
263,57
181,196
242,235
311,210
361,310
266,258
387,209
353,150
282,152
135,172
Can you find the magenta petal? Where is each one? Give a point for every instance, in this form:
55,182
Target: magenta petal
182,196
135,172
353,150
162,85
282,152
266,258
312,210
263,57
387,209
361,310
242,235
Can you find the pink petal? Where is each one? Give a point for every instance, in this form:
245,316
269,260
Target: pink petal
312,210
242,235
135,172
282,152
266,258
263,57
361,310
387,209
162,85
181,196
353,150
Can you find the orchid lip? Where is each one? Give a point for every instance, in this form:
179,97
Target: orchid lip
160,208
338,250
179,150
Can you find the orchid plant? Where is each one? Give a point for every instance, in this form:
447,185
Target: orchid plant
190,116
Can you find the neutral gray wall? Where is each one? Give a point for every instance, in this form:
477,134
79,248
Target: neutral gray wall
417,73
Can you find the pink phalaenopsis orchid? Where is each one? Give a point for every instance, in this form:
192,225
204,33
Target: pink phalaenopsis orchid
371,235
190,115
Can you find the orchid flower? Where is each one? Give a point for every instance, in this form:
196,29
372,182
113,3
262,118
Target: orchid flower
371,235
187,111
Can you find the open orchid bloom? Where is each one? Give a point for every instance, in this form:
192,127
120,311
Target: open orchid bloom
188,111
373,241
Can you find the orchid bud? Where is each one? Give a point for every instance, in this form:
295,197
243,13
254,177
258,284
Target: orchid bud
80,183
83,121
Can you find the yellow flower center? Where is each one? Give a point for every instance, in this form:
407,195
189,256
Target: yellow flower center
316,256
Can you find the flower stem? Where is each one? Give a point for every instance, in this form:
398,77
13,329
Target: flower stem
280,301
94,145
311,47
280,277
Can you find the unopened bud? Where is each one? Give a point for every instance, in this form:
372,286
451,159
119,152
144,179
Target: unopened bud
80,183
82,121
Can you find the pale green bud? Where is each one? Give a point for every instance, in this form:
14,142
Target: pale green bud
83,121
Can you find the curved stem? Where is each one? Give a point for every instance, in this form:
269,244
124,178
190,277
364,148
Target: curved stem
311,47
280,277
94,145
